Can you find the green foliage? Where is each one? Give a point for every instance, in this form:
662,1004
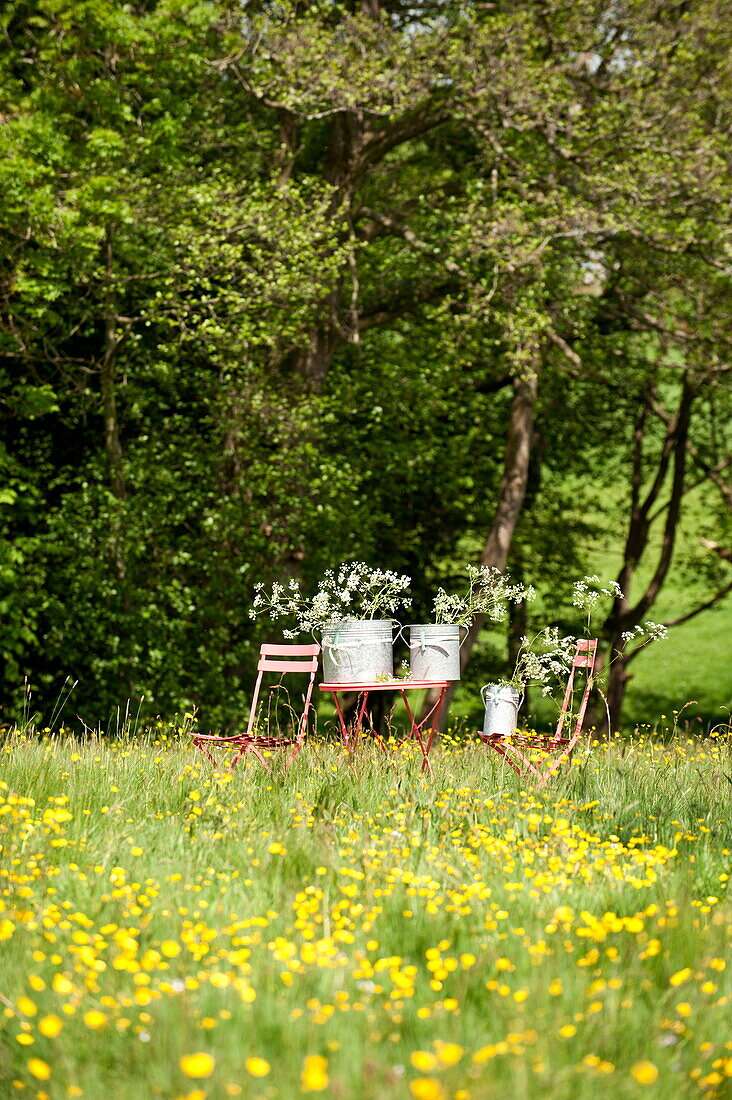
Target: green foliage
266,275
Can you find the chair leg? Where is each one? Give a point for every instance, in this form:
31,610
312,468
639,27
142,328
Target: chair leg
302,732
205,752
501,752
295,750
245,748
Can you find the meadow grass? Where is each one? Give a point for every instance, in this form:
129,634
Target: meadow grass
351,928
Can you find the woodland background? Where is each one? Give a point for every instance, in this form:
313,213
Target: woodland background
286,284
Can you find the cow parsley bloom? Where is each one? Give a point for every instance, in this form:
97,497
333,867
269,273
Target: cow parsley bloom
354,590
489,592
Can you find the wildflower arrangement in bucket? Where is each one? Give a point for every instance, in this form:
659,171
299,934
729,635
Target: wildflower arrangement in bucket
353,591
541,659
546,656
488,592
352,610
434,648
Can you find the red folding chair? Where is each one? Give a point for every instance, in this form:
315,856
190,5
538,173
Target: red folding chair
514,748
282,658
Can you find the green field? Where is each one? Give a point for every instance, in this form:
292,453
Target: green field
353,929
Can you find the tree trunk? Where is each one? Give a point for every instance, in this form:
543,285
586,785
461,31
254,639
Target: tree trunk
112,340
312,361
623,616
112,442
511,495
116,328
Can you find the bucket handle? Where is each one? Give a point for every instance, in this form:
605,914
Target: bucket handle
434,644
422,644
485,688
336,647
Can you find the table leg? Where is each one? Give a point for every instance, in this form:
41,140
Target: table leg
341,720
359,721
437,712
416,733
350,740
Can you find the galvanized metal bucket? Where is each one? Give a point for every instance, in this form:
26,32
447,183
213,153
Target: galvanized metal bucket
434,652
358,651
502,704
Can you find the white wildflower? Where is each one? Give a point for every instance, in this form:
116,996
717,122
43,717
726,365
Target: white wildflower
489,593
543,658
355,589
645,633
590,591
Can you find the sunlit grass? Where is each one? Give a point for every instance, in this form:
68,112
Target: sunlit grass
353,928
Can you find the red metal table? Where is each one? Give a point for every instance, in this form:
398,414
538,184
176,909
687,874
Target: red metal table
421,730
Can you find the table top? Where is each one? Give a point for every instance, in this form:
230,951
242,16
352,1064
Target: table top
384,685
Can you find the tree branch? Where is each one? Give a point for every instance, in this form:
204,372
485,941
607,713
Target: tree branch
378,144
679,438
403,303
705,606
402,230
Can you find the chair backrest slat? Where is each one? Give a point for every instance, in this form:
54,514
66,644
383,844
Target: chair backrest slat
585,651
268,664
270,649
